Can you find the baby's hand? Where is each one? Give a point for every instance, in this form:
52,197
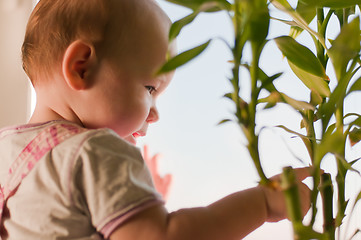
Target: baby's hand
275,199
162,184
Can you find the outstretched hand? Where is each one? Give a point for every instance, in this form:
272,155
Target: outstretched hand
275,199
162,184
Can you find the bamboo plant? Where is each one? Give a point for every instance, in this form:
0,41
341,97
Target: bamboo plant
325,126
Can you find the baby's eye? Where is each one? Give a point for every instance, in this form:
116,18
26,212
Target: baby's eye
150,89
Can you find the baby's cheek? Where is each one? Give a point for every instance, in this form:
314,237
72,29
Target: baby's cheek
136,121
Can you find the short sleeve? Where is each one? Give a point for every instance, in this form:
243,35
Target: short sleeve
111,181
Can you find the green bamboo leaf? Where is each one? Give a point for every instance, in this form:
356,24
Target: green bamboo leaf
358,198
356,232
331,3
346,165
272,99
305,139
183,58
267,81
308,13
356,122
352,115
345,47
276,97
312,82
341,214
330,129
178,25
356,86
315,98
224,121
288,22
229,96
258,21
270,105
196,4
296,104
355,136
355,161
300,56
327,109
207,6
331,143
284,6
346,11
293,132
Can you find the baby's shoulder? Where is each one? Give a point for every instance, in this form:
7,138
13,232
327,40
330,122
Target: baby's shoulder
96,146
99,141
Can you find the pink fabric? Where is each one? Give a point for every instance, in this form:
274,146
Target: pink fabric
115,223
32,153
16,128
47,137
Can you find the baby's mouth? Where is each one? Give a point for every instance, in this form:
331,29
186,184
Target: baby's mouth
138,134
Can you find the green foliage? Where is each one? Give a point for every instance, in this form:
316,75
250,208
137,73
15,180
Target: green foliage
198,7
255,20
309,63
355,136
178,25
305,65
301,56
183,58
315,83
195,5
355,87
331,3
345,47
308,13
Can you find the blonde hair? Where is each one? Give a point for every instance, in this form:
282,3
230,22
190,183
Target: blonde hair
54,24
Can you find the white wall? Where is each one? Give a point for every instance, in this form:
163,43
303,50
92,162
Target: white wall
14,85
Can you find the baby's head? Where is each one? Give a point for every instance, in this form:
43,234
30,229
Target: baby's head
111,26
91,60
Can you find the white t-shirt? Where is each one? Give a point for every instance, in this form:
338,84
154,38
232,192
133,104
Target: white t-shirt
84,188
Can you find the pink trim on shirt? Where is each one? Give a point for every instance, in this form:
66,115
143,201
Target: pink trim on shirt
16,129
110,227
29,125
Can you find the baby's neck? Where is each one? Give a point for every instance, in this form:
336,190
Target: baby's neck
44,114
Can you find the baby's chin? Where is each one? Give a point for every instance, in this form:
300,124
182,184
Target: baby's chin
131,139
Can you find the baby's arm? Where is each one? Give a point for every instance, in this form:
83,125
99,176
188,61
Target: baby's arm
232,217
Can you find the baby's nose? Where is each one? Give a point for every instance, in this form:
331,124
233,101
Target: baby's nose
153,115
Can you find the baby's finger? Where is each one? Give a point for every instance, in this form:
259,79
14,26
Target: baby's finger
302,173
167,180
155,160
145,153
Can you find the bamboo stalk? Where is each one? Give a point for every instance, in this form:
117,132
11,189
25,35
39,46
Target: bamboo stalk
326,191
290,189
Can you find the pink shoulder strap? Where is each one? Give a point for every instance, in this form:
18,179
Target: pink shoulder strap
46,140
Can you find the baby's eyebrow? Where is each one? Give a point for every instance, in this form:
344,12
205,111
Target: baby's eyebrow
163,83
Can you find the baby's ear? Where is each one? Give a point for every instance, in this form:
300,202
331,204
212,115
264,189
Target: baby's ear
78,61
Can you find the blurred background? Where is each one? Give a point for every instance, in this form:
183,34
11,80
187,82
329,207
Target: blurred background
15,95
207,161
